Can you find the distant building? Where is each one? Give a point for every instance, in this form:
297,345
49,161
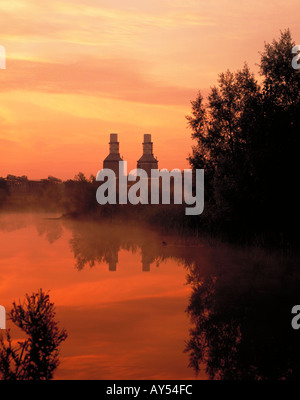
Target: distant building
147,162
112,160
22,185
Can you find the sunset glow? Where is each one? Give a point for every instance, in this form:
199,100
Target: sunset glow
78,70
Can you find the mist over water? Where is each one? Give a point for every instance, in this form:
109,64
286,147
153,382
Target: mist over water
140,304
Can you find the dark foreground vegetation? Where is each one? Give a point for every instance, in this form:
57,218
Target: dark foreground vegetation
246,139
37,356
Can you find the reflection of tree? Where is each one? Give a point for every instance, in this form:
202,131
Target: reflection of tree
13,222
50,228
93,243
91,246
35,358
214,340
91,249
242,330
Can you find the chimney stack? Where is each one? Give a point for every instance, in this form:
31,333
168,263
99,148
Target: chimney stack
147,162
147,145
112,160
114,144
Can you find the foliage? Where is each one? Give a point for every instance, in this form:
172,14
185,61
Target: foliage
247,139
36,357
80,194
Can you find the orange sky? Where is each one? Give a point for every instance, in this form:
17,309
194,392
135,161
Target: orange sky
78,70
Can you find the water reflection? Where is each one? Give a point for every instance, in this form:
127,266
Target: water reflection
241,314
126,324
239,305
103,246
94,244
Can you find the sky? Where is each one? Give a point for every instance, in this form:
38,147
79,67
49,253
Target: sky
77,71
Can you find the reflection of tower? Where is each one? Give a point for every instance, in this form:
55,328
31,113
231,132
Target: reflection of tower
145,264
112,160
147,257
113,260
147,162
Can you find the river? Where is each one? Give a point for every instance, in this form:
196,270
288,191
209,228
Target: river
140,304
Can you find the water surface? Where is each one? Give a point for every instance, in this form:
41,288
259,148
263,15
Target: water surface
139,304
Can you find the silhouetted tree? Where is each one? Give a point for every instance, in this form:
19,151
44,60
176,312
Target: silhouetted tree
80,194
4,191
247,139
35,358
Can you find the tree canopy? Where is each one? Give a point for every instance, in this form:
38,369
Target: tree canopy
247,140
36,357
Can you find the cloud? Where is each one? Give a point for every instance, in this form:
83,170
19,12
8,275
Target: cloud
93,22
108,78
